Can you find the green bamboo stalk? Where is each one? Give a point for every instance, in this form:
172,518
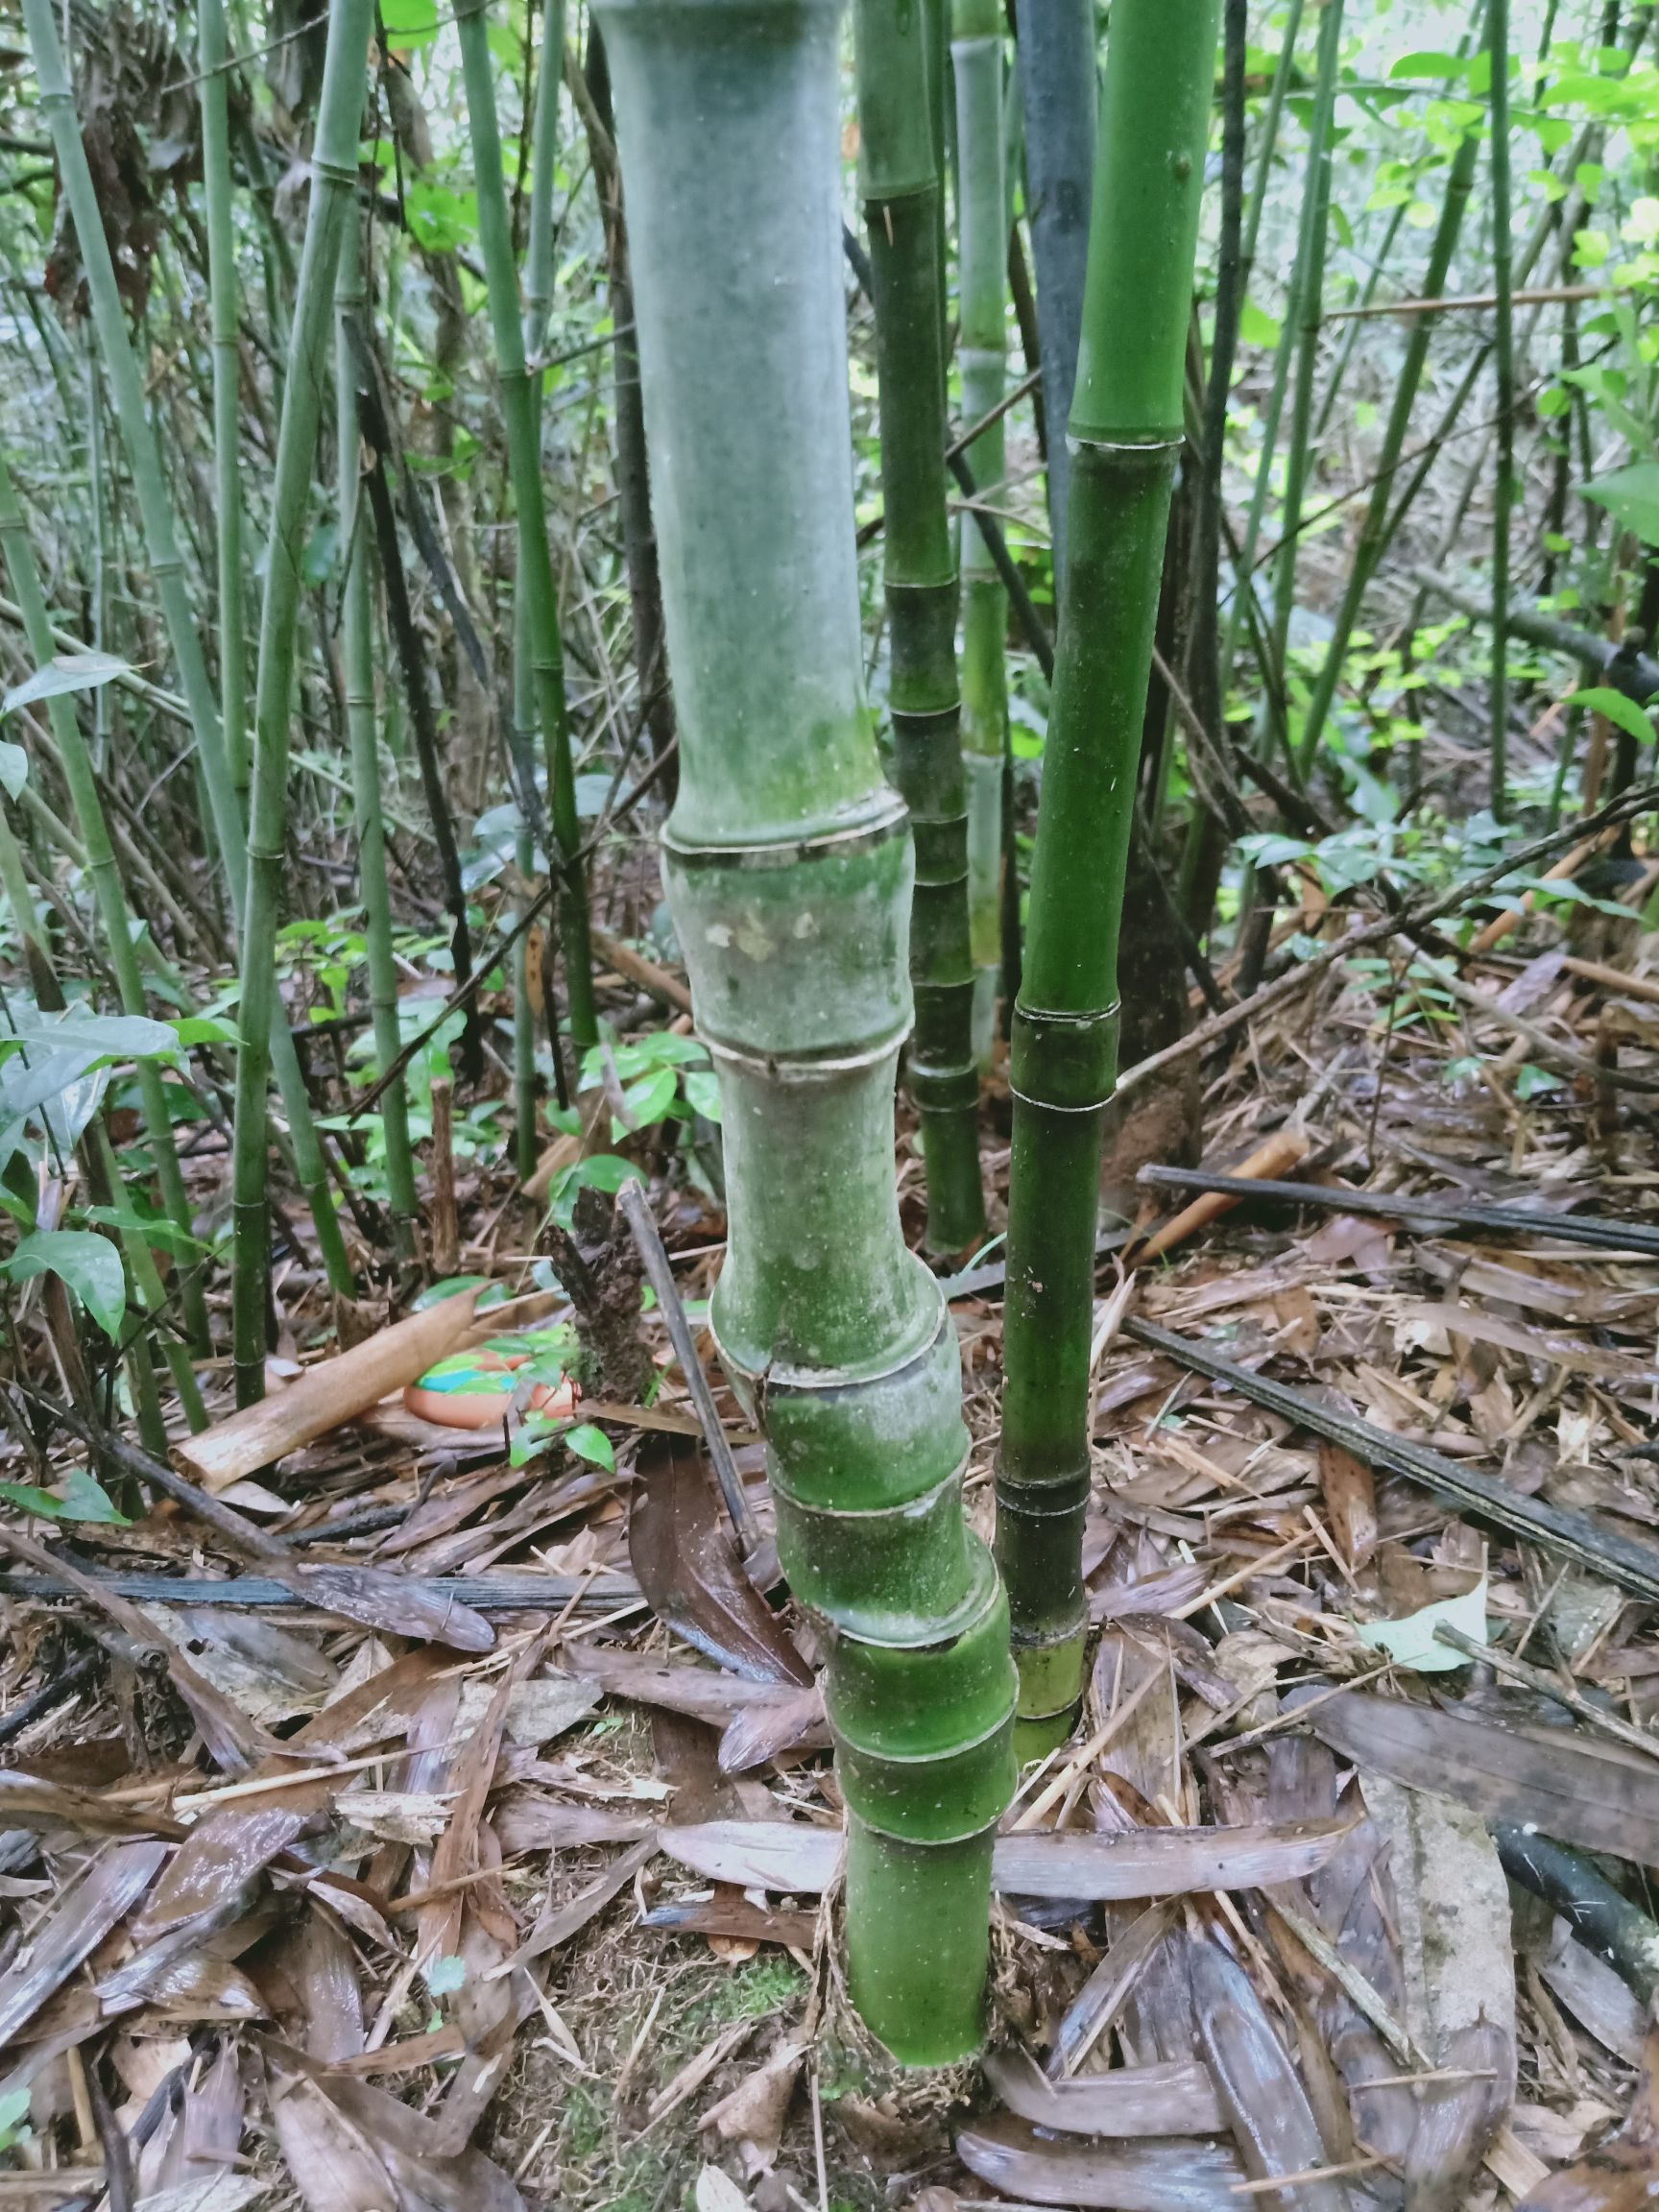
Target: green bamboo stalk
1289,342
357,651
132,407
535,557
107,888
789,868
899,182
982,262
1309,317
538,254
333,190
1373,530
1503,362
1126,430
1281,75
213,57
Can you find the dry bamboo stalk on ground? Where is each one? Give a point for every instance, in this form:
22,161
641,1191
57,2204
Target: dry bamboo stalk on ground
333,1391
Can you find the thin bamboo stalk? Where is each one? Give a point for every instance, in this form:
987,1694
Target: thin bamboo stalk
213,50
357,650
535,557
1373,530
899,186
1289,340
108,889
1126,430
1503,364
789,868
982,237
1310,317
333,190
156,509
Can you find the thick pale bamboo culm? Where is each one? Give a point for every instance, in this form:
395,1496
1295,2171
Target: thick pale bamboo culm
1125,433
788,866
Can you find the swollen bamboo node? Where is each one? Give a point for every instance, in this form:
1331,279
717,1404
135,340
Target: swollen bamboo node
789,871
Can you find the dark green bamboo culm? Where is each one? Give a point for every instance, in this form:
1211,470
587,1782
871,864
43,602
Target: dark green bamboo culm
982,260
788,865
534,559
362,724
1504,363
214,56
333,196
1126,432
539,252
108,889
131,403
898,181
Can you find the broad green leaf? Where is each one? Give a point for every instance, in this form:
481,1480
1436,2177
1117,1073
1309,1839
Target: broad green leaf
202,1029
1631,496
1602,699
98,1036
1427,64
65,672
84,1499
88,1266
29,1499
1412,1643
13,769
591,1443
650,1098
702,1093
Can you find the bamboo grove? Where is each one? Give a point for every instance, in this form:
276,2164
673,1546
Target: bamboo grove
939,523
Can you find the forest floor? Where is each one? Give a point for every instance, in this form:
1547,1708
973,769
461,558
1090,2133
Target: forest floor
552,1923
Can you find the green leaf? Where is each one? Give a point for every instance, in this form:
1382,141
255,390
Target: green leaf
65,672
1256,327
99,1036
84,1499
650,1098
409,22
1428,64
1602,699
88,1266
202,1029
593,1444
13,769
29,1499
1631,496
1536,1083
702,1093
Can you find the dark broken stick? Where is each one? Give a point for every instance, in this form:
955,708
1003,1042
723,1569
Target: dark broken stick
1575,1536
374,1595
1410,1207
760,1558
